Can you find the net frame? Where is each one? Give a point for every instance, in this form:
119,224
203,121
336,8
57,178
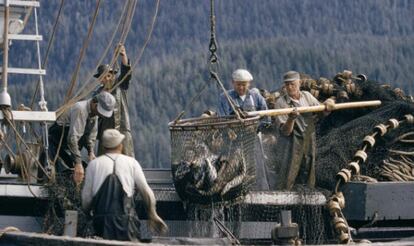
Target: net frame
228,143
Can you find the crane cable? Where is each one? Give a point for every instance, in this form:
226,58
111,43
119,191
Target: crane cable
213,68
214,63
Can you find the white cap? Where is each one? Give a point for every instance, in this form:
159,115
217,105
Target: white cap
106,103
242,75
111,138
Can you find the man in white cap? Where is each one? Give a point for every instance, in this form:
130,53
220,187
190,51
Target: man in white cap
246,99
243,97
77,128
110,183
297,142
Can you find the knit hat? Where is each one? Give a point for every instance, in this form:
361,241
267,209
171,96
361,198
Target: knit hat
111,138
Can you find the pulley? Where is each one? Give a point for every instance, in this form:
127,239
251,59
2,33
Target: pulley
13,164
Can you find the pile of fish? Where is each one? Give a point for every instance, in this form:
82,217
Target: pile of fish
207,174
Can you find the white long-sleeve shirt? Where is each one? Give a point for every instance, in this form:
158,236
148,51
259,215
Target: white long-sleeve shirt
128,171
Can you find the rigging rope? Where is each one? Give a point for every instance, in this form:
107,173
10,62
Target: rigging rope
49,45
83,50
92,83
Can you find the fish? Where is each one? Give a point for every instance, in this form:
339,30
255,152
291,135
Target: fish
236,181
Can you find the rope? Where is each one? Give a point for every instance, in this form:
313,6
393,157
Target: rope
82,53
23,169
138,58
19,137
49,45
8,229
227,232
90,86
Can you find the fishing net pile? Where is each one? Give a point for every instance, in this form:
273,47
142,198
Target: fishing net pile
341,133
63,195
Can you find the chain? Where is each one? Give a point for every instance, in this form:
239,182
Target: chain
213,66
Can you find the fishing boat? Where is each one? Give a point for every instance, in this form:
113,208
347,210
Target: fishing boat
238,214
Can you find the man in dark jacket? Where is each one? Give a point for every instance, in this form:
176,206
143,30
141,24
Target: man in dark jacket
119,88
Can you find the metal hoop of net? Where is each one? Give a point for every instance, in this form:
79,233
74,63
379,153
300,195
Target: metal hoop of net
212,159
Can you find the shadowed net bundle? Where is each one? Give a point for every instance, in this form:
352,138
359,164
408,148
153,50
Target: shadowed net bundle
63,195
252,221
212,158
342,133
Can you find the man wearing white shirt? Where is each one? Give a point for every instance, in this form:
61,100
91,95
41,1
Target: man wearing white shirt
110,183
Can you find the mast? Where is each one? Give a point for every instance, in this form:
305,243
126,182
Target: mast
5,100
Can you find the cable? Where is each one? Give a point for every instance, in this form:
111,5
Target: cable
82,53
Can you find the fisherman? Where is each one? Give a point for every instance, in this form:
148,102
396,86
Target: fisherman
77,128
118,87
246,99
297,143
242,96
110,183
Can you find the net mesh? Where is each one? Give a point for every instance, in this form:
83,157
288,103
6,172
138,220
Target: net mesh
341,133
212,159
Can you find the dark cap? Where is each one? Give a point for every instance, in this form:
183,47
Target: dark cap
290,76
104,68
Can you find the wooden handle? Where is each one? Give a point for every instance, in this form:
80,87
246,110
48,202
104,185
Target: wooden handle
313,109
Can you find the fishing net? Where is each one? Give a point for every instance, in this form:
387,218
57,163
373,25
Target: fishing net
251,221
63,195
213,158
340,134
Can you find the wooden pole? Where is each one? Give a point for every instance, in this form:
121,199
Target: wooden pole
313,109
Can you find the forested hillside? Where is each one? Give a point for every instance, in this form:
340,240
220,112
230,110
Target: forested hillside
267,37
